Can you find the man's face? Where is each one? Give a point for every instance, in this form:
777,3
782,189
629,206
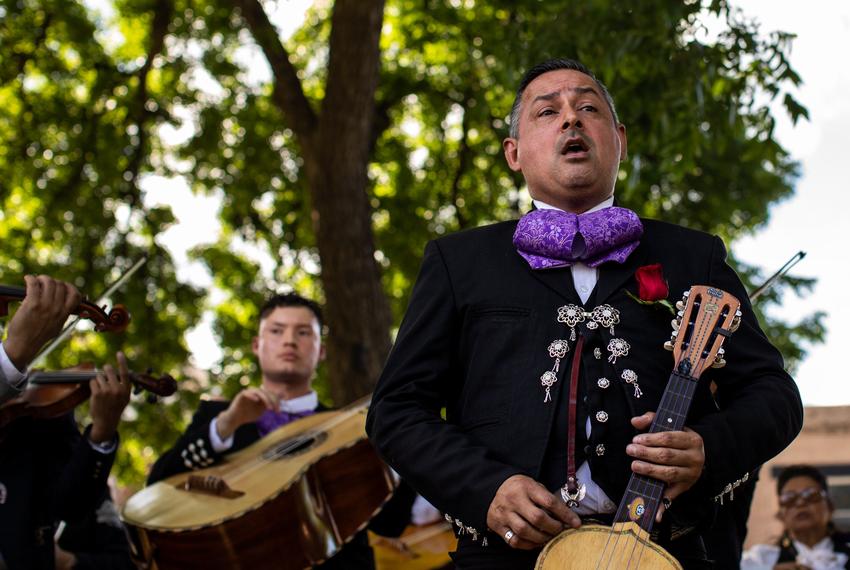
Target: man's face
569,147
289,345
803,507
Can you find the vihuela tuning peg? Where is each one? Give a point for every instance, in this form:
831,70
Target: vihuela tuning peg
675,324
680,305
668,345
718,362
736,321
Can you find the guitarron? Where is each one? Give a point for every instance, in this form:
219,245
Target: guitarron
706,317
288,501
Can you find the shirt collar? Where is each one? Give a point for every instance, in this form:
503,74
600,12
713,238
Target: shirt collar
305,403
606,203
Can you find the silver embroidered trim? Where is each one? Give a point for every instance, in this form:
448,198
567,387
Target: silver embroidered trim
557,349
631,377
463,529
729,489
617,347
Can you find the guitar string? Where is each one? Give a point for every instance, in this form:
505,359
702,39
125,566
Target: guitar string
248,467
682,395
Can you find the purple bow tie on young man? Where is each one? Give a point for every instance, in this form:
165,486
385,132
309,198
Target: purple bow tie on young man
554,238
270,421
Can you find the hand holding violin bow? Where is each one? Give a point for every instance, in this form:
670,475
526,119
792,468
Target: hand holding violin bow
45,308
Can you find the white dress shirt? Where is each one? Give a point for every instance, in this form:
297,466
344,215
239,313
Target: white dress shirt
821,556
306,403
584,280
13,376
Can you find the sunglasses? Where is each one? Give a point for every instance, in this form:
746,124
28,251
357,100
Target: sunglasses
805,497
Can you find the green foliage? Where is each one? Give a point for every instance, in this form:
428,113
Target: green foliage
83,117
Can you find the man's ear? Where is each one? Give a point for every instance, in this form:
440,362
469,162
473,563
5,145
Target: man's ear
322,353
511,148
624,142
255,345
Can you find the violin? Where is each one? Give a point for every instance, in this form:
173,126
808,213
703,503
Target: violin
51,394
115,320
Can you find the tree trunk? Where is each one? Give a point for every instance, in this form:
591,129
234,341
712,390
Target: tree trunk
335,146
358,312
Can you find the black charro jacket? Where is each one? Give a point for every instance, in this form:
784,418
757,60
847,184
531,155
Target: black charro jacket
474,341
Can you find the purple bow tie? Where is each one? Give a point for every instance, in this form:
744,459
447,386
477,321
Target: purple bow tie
554,238
270,421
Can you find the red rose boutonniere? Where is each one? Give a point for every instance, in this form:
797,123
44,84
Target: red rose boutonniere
652,287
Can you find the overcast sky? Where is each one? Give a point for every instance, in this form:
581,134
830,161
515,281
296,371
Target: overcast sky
814,219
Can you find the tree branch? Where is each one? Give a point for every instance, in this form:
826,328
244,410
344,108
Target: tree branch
288,93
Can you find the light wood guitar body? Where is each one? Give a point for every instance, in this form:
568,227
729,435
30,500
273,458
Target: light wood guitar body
286,502
625,546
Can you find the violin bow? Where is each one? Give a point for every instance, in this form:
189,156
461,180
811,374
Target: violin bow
69,328
796,258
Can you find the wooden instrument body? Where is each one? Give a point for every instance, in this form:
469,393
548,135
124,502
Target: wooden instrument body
591,547
295,511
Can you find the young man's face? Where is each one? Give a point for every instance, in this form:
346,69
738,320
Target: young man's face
289,345
569,147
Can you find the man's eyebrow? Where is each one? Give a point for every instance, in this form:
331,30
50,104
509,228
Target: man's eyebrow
555,94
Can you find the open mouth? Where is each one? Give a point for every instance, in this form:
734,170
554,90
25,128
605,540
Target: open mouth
574,145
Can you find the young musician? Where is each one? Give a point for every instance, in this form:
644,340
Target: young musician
288,347
474,406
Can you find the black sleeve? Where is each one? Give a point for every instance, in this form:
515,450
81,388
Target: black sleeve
405,421
761,412
82,482
193,450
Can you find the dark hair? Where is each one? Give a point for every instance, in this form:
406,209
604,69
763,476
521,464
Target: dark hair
545,67
800,471
291,300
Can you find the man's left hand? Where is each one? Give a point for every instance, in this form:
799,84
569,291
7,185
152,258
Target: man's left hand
110,393
674,457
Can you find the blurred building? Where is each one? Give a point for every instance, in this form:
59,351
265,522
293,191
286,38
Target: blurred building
823,443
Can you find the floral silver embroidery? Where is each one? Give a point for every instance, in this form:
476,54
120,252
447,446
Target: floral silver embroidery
603,383
631,377
557,349
607,316
617,347
600,450
597,354
601,417
571,315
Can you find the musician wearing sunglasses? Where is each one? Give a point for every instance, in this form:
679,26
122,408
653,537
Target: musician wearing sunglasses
810,540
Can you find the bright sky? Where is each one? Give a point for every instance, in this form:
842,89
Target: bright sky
812,219
809,221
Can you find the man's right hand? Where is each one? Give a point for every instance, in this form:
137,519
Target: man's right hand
40,317
246,407
530,512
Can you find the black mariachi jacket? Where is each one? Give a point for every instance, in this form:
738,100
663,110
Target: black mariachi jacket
475,341
48,472
195,451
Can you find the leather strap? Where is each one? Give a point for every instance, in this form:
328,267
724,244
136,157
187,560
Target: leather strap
575,368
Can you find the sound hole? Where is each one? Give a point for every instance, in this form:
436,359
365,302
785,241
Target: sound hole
295,445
